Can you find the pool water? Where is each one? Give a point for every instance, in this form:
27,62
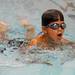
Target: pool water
14,60
36,62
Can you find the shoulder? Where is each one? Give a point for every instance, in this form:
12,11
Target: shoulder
35,41
68,42
65,41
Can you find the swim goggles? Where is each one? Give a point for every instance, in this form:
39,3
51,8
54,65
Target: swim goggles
56,25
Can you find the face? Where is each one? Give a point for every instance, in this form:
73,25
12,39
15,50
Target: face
55,34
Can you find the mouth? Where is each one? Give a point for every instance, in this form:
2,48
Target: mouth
59,35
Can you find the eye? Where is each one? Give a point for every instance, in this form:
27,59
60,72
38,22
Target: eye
63,25
52,25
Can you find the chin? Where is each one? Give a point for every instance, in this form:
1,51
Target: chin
58,40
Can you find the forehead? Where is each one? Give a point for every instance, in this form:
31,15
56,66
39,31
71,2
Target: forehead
59,22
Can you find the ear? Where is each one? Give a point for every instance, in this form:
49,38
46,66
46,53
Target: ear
44,29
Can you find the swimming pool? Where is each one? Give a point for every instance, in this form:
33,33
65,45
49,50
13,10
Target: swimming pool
13,61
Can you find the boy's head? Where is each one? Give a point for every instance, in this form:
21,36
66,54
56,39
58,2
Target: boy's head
50,16
53,24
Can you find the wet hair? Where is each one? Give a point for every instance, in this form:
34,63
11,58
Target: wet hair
51,16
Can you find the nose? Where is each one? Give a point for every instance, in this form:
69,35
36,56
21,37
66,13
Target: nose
60,29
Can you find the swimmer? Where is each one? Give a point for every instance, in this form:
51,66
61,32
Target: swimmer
53,27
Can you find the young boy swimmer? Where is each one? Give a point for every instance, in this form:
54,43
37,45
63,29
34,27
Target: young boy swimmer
53,27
